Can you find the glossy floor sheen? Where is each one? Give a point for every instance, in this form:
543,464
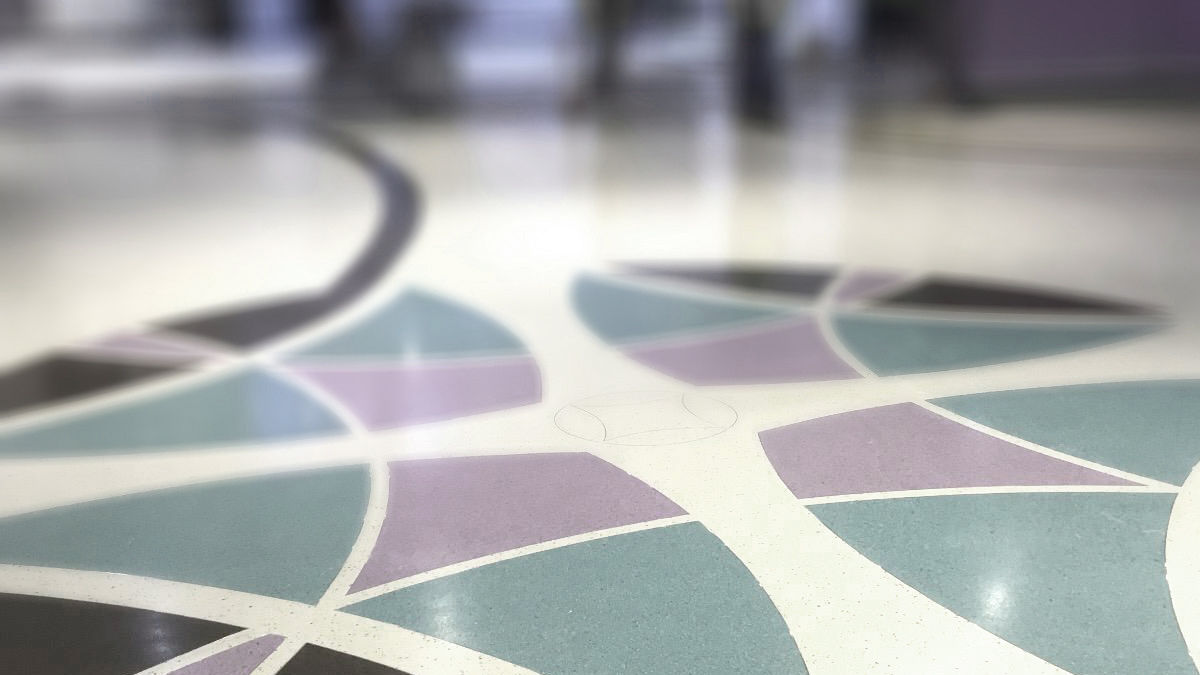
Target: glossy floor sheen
902,393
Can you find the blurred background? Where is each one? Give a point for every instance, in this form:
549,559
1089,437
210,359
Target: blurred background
423,55
979,136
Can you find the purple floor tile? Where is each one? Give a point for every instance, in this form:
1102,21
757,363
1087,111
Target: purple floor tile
239,660
906,447
864,285
444,511
388,396
792,351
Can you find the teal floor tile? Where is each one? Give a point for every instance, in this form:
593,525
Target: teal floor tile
284,536
416,325
668,600
619,312
246,407
898,346
1148,428
1077,579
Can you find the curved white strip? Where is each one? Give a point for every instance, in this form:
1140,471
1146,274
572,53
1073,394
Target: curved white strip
846,613
826,314
1040,449
373,519
384,589
1183,561
380,642
985,490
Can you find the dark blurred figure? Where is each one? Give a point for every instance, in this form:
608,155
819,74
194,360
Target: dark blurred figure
942,23
215,20
423,61
758,72
757,69
344,62
390,50
608,20
931,30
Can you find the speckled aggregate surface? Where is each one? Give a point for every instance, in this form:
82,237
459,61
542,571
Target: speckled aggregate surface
501,441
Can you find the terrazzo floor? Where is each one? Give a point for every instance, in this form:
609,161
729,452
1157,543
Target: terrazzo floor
545,396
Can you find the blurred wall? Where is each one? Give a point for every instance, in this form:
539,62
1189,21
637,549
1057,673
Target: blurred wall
1080,42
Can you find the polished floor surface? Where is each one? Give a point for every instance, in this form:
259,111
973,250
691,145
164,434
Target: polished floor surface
889,392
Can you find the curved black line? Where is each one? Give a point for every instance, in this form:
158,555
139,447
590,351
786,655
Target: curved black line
249,326
61,375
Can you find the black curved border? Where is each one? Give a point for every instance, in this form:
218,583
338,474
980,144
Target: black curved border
248,326
42,635
61,375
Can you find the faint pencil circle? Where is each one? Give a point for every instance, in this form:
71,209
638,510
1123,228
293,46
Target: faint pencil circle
645,418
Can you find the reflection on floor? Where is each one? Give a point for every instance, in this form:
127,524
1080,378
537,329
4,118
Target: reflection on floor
598,416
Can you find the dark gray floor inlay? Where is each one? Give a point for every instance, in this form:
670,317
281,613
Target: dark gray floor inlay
806,283
249,325
58,378
314,660
51,636
936,293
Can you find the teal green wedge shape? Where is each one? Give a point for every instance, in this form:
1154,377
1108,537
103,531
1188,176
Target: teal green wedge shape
416,325
898,346
1076,579
285,536
246,407
620,312
667,600
1148,428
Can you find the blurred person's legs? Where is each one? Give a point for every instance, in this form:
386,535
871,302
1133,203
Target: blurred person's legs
420,65
759,97
604,25
609,18
944,36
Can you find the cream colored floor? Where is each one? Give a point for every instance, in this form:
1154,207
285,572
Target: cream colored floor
1101,201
